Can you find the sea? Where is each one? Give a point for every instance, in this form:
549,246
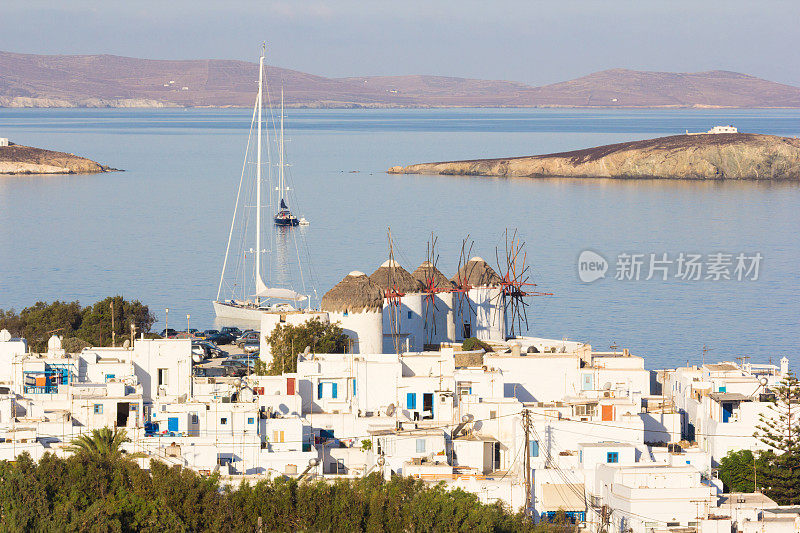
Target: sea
674,271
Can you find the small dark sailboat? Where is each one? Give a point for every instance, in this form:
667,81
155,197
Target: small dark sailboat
285,216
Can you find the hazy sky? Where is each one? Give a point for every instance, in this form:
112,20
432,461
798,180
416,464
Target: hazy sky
531,41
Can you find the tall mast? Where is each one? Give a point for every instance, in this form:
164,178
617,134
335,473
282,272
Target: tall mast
281,181
258,172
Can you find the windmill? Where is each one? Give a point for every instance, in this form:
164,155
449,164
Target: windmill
393,296
434,284
515,286
462,288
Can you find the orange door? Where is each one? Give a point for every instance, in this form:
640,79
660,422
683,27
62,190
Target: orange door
290,386
607,412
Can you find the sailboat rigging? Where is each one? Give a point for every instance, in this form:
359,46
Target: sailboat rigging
284,216
255,297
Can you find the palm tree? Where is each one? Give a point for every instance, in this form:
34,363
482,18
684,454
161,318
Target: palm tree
105,444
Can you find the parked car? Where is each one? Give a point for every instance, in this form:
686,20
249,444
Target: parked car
250,347
213,349
168,333
249,358
235,367
232,331
208,371
250,336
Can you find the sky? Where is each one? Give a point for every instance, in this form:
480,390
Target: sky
531,41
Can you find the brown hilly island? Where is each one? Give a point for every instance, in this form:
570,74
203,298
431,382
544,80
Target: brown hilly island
28,80
726,156
18,159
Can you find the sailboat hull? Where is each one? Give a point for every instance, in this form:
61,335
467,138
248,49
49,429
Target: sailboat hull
231,311
286,221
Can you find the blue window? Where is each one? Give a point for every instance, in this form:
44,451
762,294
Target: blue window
580,456
612,457
588,382
534,447
723,388
98,408
420,445
411,401
109,377
172,423
327,389
410,315
251,420
354,386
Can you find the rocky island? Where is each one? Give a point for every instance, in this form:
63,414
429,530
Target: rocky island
707,156
18,159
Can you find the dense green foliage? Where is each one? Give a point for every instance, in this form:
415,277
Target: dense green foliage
90,325
739,470
286,341
89,494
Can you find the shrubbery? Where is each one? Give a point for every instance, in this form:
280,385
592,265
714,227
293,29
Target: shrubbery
90,326
87,492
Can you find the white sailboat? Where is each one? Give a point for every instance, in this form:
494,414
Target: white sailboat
251,307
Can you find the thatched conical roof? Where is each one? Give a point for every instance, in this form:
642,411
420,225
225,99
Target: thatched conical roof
354,294
401,279
427,270
477,273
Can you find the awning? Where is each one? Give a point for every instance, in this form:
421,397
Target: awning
564,496
281,294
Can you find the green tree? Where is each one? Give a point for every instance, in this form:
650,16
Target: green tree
287,340
79,325
780,430
741,469
102,444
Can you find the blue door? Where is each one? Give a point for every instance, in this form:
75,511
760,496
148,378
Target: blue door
727,411
172,423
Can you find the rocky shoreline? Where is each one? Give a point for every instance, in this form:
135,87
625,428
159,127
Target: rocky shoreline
19,159
727,156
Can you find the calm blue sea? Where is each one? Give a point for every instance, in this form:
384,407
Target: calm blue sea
157,231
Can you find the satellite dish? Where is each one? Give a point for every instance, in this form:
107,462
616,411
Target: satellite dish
467,418
313,461
237,382
763,381
126,344
381,461
195,357
607,386
390,409
5,336
307,350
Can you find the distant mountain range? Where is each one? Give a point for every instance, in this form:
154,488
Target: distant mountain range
28,80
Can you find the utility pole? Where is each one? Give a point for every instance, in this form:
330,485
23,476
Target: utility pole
526,424
113,331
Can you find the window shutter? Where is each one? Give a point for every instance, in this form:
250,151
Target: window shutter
333,390
411,400
319,390
534,448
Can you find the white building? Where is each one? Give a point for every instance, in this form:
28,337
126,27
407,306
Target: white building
356,303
